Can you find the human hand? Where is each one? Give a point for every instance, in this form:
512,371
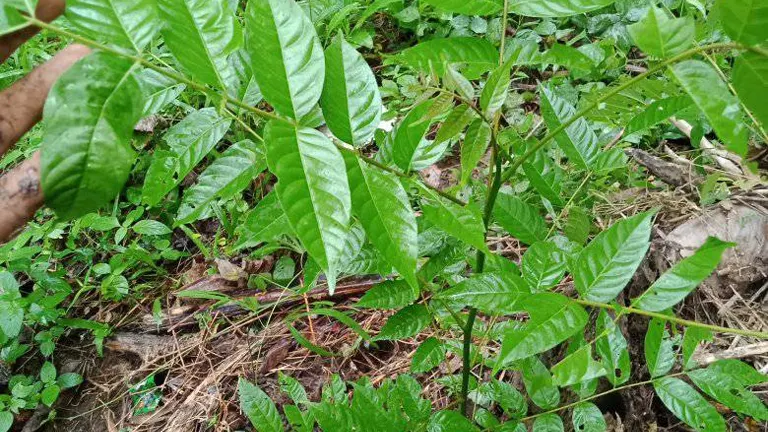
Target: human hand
21,107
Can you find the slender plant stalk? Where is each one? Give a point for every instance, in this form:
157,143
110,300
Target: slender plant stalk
683,322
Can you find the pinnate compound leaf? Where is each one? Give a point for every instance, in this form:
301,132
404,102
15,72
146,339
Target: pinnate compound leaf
660,35
659,348
713,98
611,346
288,61
258,407
745,21
313,190
381,203
587,417
479,56
608,263
201,34
543,266
727,387
405,323
223,179
676,283
548,423
556,8
86,154
428,355
462,222
688,405
553,319
475,144
123,23
578,141
468,7
389,295
350,99
519,218
492,293
750,79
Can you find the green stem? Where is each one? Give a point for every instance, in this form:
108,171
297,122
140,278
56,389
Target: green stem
586,110
683,322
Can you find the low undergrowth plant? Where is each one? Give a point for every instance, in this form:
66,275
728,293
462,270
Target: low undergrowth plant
282,90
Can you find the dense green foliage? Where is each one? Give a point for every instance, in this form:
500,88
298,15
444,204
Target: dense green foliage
254,85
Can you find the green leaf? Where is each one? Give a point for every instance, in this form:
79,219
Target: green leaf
659,348
464,223
405,323
660,35
750,79
578,141
194,137
350,99
577,367
728,389
691,339
548,423
49,395
11,20
456,121
657,112
508,398
458,83
495,91
556,8
6,421
553,319
543,266
744,373
450,421
428,355
313,190
468,7
151,228
389,295
48,373
159,91
676,283
538,383
569,57
519,219
69,380
288,61
128,24
267,221
492,293
160,178
713,98
474,147
258,407
86,154
201,34
608,263
409,135
381,203
612,349
479,56
578,225
223,179
545,176
745,21
688,405
293,388
587,417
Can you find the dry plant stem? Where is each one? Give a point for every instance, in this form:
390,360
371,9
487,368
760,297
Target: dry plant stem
217,96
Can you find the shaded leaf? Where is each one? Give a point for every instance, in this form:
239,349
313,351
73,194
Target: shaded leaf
556,8
258,407
745,21
688,405
428,355
519,218
750,79
612,349
405,323
474,147
265,222
389,295
468,7
587,417
659,348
